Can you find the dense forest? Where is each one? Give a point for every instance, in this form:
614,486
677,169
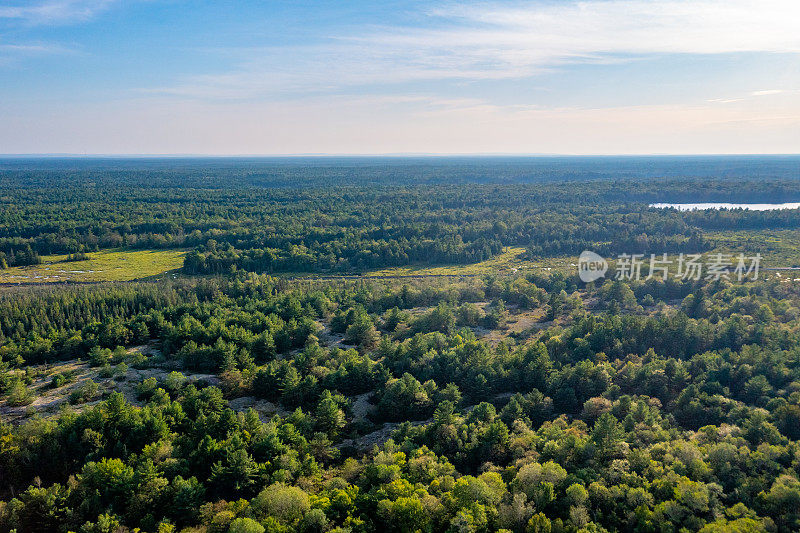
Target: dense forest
323,217
237,399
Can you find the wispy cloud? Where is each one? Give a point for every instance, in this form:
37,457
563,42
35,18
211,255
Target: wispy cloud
769,92
12,54
32,48
52,11
506,41
30,14
755,95
585,28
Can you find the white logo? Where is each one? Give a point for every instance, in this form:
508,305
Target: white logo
591,266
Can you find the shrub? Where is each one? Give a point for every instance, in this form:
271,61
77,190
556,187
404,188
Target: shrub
18,394
84,393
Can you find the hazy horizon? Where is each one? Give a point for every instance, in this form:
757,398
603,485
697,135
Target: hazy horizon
578,77
396,155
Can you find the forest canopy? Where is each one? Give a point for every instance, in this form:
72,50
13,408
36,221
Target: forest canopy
240,396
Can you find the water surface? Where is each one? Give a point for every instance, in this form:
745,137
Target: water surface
724,205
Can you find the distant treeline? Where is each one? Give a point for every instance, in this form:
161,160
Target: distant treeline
264,218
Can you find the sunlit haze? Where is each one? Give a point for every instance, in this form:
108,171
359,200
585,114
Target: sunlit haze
275,77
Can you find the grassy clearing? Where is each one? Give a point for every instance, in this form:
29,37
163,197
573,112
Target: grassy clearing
106,265
509,262
779,248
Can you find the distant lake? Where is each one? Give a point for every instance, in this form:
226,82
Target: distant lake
723,205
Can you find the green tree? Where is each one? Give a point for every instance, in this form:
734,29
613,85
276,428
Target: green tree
607,435
245,525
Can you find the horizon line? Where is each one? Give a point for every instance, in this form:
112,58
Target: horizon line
67,155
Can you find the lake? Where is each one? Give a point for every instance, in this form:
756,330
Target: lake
723,205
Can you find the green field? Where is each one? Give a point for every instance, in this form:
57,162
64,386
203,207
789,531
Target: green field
105,265
511,261
779,248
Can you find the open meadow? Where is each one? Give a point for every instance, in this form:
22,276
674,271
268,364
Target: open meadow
104,265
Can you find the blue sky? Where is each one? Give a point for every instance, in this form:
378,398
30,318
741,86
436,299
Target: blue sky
274,77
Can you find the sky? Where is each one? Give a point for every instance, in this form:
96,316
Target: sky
250,77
